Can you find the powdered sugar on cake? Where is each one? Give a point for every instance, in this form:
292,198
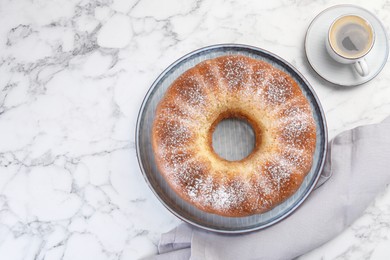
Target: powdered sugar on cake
237,73
213,193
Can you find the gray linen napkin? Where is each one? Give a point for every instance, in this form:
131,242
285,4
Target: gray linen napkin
359,160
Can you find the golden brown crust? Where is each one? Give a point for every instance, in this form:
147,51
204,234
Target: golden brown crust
239,87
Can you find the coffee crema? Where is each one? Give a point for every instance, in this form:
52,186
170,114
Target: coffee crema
351,36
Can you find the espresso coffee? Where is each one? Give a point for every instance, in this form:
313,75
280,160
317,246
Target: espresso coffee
351,36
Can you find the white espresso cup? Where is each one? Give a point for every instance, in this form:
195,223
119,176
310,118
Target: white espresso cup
350,39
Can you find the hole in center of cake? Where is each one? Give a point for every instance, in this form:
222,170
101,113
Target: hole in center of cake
233,139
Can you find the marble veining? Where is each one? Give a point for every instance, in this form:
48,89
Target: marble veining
72,78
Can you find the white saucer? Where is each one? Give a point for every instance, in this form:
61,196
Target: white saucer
325,66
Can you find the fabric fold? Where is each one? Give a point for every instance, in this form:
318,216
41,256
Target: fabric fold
178,238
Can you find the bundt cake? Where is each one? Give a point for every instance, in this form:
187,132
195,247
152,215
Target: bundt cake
234,86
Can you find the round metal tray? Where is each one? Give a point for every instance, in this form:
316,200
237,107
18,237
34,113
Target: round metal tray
186,211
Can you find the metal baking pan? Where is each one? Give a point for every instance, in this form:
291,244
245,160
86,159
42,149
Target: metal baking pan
186,211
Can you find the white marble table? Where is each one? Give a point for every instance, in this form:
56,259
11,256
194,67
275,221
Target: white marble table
72,77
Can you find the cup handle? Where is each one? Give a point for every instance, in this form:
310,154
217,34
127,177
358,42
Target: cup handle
361,67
